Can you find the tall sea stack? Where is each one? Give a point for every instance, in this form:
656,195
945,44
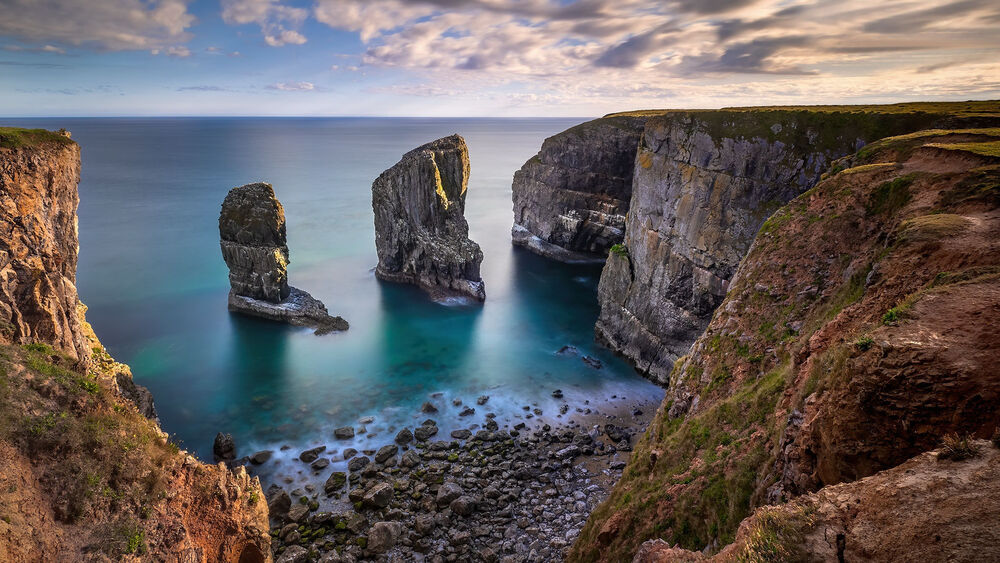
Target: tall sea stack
421,234
252,229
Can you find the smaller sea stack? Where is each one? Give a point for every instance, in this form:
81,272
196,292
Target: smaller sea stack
421,234
252,231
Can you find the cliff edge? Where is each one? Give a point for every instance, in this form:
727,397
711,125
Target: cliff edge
87,473
856,334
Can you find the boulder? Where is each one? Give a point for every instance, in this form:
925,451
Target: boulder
421,234
378,495
224,448
448,492
382,536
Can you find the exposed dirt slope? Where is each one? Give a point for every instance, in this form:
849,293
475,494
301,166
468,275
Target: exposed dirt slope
857,332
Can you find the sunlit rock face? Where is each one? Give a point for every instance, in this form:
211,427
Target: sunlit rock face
252,228
38,242
421,234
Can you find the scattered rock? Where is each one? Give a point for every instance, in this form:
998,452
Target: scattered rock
482,400
379,495
344,433
383,536
404,436
310,456
224,448
386,452
335,482
261,457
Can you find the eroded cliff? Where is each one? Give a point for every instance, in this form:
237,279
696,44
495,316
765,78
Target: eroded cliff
856,333
704,183
570,200
39,171
87,473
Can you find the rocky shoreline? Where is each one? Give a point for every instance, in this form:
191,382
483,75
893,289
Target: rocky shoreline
515,491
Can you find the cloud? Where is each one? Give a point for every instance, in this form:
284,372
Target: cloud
292,86
110,25
278,23
756,56
43,49
177,51
203,89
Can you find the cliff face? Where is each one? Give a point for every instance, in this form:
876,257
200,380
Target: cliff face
87,473
855,334
38,240
704,183
421,234
570,200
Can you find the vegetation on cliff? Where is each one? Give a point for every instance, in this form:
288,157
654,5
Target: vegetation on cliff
17,137
854,335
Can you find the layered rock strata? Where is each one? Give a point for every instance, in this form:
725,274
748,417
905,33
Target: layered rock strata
824,366
253,241
570,200
39,173
421,234
704,183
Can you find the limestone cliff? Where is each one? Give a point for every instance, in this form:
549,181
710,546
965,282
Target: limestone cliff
856,333
253,241
421,234
704,183
570,200
39,171
87,473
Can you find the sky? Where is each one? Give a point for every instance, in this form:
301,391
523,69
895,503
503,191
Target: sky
486,57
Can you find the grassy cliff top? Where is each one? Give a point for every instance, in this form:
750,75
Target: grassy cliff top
964,109
17,137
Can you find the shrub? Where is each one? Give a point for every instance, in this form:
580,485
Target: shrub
957,447
620,250
864,343
892,316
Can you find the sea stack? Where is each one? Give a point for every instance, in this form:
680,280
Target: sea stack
252,231
421,234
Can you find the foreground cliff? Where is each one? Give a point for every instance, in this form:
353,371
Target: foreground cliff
856,333
86,475
570,200
421,234
704,183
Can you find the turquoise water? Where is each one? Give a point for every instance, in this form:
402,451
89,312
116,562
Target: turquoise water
152,274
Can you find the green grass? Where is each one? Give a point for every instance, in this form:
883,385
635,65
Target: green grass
985,149
16,137
890,196
967,108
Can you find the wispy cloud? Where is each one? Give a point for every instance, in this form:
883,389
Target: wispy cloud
292,86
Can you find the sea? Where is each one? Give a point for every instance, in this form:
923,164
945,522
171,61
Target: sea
151,272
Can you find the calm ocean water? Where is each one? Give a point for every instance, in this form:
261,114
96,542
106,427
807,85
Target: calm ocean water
152,274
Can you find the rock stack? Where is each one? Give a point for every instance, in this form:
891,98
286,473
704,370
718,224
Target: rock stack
421,234
252,230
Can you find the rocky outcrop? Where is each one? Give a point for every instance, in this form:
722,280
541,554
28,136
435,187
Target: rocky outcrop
927,509
703,185
39,173
86,471
570,200
421,234
252,230
821,365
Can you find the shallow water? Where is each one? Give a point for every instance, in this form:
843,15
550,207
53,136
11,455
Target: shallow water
152,274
